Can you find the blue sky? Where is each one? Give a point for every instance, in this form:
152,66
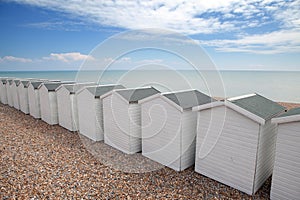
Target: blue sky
236,34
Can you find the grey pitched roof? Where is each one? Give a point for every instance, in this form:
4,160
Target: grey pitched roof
17,82
25,83
295,111
36,84
97,91
189,99
259,105
133,95
73,88
52,86
10,81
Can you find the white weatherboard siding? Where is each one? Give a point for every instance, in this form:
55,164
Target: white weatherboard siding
229,157
265,154
67,106
48,103
88,106
116,123
99,135
3,93
188,139
64,105
161,123
34,102
64,108
122,124
135,142
23,98
168,135
10,101
15,96
286,174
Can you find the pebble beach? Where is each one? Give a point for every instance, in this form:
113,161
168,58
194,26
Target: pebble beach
40,161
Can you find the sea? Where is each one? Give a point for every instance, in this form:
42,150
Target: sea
281,86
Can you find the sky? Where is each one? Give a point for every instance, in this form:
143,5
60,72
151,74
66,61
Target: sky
65,34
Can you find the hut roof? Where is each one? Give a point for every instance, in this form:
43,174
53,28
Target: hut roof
36,84
258,105
17,82
97,91
25,83
134,95
51,86
75,87
295,111
10,81
189,99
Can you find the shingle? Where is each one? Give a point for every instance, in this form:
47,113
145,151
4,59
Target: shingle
97,91
259,105
133,95
295,111
189,99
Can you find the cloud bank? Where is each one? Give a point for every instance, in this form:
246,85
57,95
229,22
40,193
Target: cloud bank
254,26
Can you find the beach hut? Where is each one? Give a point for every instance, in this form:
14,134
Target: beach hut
34,99
169,127
236,141
67,104
3,92
48,101
15,94
8,85
286,173
122,118
90,110
23,95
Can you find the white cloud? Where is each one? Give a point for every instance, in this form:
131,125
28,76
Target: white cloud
68,57
130,60
179,15
14,59
285,41
194,17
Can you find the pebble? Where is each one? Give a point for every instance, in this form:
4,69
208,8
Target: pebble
40,161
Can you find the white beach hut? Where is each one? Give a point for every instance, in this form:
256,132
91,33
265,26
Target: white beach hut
48,101
8,85
15,94
67,104
169,127
286,173
236,141
90,110
3,91
34,99
23,95
122,118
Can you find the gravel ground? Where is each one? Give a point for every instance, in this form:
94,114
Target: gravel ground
39,161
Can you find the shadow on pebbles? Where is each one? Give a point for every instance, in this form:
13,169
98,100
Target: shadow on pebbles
40,161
